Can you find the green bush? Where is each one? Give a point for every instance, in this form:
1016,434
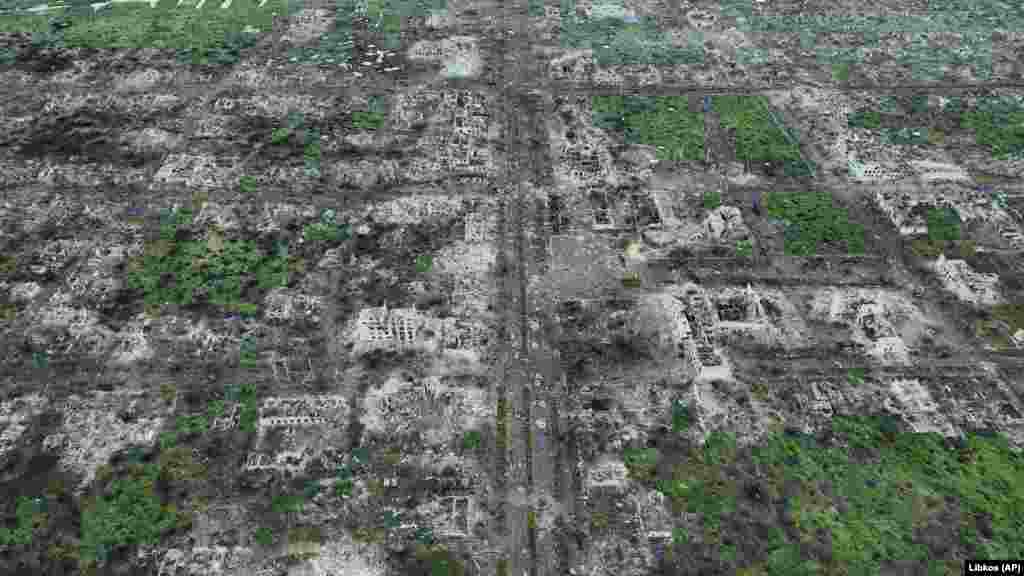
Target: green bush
997,124
30,516
285,503
343,487
943,224
758,139
744,249
865,119
814,220
247,184
128,513
362,120
855,376
642,463
681,417
264,536
471,440
663,122
173,271
712,200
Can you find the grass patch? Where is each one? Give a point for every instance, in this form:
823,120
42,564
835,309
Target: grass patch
997,124
30,518
616,42
128,512
855,376
362,120
642,463
758,139
744,248
182,272
209,35
841,72
264,536
663,122
682,417
870,490
712,200
471,440
424,262
814,220
943,224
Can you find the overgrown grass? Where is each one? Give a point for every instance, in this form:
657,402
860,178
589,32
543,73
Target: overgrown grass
997,124
870,489
30,518
363,120
471,440
663,122
642,463
617,42
183,271
128,513
712,200
209,35
758,139
814,220
943,224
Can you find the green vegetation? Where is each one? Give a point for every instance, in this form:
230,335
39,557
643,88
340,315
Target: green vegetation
681,416
925,248
424,262
435,560
1004,320
855,376
663,122
907,136
30,518
327,229
178,466
247,356
362,120
712,200
285,503
744,248
245,395
209,35
280,136
869,489
864,119
642,463
182,271
841,72
264,536
343,488
632,280
424,535
247,184
943,224
471,440
599,521
812,220
997,124
758,139
127,512
615,41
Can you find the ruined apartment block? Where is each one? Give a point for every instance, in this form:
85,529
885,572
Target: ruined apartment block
968,285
